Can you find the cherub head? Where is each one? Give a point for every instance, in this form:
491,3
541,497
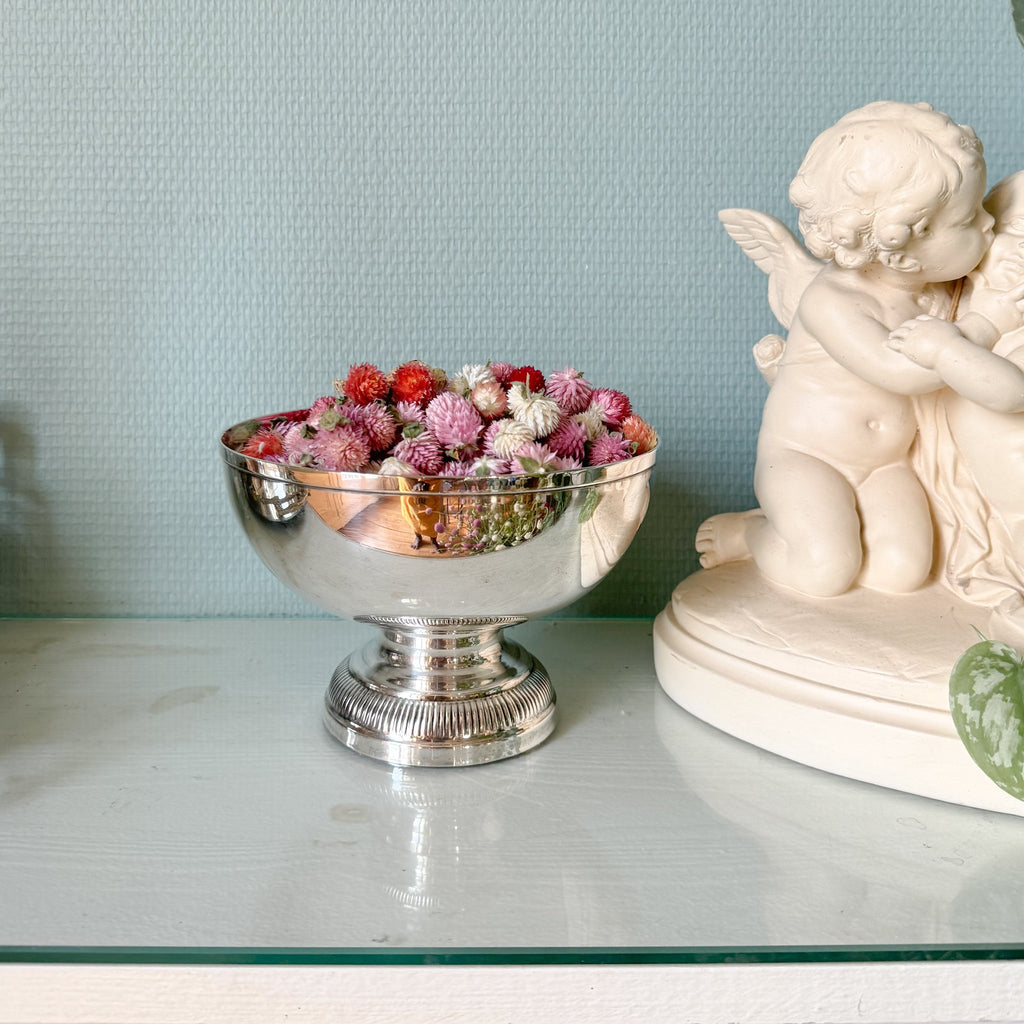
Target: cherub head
870,184
1003,265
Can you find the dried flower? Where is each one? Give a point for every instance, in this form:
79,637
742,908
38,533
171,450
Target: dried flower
453,420
490,399
568,388
364,384
324,404
535,458
569,439
265,443
408,412
613,406
528,375
415,382
609,448
505,437
469,377
502,372
641,433
539,413
592,422
376,419
345,449
422,452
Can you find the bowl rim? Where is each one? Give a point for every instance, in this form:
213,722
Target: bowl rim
336,480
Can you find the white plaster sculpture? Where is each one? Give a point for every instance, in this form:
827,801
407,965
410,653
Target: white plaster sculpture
890,465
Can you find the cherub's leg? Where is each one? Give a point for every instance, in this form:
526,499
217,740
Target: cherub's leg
806,534
898,536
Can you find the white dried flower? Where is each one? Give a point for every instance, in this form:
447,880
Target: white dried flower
468,377
540,413
509,437
592,422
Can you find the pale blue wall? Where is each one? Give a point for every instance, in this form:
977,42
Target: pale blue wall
209,208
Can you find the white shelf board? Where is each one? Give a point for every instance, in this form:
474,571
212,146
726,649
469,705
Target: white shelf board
169,783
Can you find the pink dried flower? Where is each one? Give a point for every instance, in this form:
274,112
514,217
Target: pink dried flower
613,405
502,372
421,451
376,420
609,448
408,412
569,439
568,388
453,420
296,443
533,458
327,403
345,449
490,399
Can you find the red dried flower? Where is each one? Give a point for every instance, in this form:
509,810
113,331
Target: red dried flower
530,376
364,384
266,443
415,382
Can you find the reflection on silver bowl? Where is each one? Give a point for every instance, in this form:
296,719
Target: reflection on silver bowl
442,565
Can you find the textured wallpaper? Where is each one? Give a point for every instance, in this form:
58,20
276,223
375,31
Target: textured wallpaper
210,210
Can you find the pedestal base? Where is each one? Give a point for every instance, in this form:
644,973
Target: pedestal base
855,685
440,693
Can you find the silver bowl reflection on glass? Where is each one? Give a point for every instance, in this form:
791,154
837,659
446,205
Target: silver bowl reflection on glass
442,565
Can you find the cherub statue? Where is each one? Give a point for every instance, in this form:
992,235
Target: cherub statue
889,475
891,211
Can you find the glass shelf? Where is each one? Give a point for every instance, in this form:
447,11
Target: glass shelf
169,796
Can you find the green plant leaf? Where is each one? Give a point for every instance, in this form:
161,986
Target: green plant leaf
986,700
1017,9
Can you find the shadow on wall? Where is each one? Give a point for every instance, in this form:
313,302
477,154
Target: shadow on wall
26,528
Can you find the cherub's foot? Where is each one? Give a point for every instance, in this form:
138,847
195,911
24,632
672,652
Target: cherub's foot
415,545
723,538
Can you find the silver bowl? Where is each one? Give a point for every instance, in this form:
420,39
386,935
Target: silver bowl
442,566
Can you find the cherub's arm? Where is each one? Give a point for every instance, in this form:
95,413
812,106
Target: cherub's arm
845,325
970,369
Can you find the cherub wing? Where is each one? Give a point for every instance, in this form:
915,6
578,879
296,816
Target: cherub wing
776,251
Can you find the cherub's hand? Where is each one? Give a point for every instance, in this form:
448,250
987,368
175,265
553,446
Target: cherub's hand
923,339
1003,309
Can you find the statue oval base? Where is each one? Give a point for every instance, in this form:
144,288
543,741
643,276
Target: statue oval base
855,685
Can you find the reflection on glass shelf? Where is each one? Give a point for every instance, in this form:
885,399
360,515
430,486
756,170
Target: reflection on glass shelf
167,789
